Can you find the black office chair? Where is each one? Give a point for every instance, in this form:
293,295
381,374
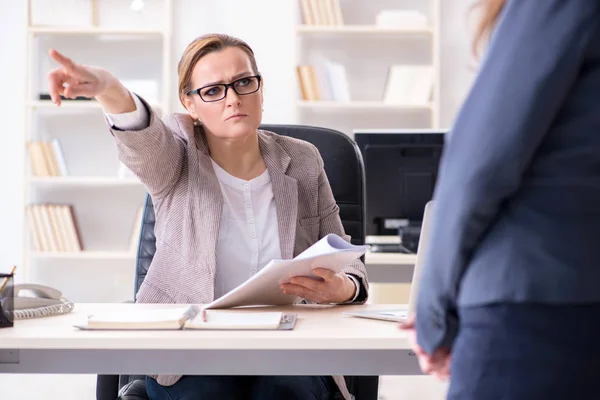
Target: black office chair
345,170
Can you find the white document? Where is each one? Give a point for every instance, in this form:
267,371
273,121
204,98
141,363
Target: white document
331,252
395,315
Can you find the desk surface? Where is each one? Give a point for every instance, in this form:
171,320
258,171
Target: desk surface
390,267
390,259
323,342
317,327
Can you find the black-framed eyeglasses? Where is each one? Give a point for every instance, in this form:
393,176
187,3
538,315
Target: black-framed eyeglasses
242,86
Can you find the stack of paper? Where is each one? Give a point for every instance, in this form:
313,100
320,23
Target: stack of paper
331,252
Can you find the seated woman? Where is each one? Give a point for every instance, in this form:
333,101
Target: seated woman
228,198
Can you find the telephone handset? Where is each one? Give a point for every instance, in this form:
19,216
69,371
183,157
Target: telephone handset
40,296
34,300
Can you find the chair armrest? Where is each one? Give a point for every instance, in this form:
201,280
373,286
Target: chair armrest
107,387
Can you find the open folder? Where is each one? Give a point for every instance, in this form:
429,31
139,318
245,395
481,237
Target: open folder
189,317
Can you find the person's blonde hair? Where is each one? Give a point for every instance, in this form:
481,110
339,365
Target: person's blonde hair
490,12
202,46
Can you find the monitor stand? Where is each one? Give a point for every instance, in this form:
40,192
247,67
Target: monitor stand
409,237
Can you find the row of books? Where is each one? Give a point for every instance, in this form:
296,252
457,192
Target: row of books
324,82
409,85
46,158
321,12
53,227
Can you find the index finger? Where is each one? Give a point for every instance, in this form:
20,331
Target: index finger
324,273
62,59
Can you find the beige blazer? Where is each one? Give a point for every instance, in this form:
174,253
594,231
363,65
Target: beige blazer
172,159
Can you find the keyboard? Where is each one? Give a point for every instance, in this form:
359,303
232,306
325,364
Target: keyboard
389,248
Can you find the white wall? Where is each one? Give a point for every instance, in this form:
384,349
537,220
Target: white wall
12,78
456,57
272,37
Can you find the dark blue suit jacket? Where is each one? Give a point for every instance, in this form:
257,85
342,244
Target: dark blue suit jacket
517,203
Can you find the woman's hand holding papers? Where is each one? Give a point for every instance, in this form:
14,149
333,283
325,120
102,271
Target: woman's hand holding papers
331,288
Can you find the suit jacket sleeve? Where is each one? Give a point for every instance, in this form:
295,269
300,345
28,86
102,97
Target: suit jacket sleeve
330,222
533,59
154,154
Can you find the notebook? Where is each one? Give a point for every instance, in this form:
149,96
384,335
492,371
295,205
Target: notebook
401,314
189,317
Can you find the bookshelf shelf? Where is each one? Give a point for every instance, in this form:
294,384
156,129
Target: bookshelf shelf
93,181
71,104
80,204
360,29
375,63
360,105
35,30
85,255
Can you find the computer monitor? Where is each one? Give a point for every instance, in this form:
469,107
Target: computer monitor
401,167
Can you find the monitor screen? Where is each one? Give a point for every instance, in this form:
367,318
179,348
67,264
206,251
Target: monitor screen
401,169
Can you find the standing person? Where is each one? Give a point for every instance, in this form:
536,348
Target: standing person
509,299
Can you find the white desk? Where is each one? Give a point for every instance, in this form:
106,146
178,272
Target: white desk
323,343
390,267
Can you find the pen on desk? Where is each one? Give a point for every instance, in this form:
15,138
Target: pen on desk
5,280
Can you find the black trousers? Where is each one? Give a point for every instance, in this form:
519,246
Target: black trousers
244,387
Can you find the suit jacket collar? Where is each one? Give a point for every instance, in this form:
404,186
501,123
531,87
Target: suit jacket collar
275,156
285,191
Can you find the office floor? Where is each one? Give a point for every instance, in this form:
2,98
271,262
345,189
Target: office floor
82,387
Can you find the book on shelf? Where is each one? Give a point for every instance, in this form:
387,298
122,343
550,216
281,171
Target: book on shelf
46,158
190,318
337,81
321,12
406,19
326,81
309,86
53,228
409,85
136,230
46,97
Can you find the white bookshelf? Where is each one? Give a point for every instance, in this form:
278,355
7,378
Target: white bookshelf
366,50
93,31
80,104
86,255
360,105
360,29
105,204
84,181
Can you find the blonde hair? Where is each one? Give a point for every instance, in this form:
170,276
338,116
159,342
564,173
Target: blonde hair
490,12
202,46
